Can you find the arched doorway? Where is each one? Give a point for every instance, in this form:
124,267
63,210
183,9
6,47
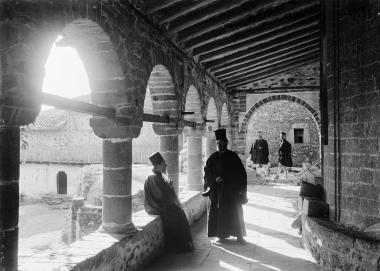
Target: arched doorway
292,116
61,182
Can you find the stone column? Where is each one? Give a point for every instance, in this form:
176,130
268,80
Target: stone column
9,195
194,162
169,150
210,147
117,186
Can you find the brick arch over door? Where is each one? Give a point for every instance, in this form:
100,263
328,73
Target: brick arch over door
244,124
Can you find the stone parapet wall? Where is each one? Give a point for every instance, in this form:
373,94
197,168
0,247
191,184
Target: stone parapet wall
338,248
102,251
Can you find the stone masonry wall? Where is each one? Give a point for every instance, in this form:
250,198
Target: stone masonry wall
337,248
352,156
284,116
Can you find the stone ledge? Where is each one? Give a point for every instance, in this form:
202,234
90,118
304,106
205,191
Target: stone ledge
103,251
336,247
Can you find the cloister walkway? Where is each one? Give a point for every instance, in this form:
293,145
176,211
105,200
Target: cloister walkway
272,244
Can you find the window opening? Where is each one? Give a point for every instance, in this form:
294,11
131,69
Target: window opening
298,136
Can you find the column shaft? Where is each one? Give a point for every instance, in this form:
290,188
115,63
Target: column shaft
117,185
9,195
194,163
169,150
210,147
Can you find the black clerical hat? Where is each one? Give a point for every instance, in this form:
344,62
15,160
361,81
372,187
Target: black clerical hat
156,159
220,134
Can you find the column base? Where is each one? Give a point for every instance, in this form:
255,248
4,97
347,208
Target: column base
125,229
194,187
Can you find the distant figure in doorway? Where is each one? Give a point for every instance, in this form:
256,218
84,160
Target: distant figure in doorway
284,156
161,199
226,178
260,152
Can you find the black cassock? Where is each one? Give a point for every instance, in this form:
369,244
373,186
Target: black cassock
259,152
160,199
226,212
285,154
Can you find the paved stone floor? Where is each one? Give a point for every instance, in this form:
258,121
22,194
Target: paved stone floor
271,242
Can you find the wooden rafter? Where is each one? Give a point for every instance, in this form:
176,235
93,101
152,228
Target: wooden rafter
272,58
202,15
284,42
270,71
185,8
267,19
264,39
257,68
242,12
247,37
159,5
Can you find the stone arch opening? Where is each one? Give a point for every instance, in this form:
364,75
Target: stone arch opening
163,98
284,115
212,114
193,104
160,99
224,117
61,182
313,112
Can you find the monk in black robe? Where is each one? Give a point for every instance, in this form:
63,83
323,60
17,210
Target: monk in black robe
260,152
284,156
226,179
161,199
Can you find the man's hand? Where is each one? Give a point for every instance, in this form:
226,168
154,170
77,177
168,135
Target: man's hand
219,179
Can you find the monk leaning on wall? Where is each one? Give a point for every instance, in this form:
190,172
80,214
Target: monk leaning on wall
161,199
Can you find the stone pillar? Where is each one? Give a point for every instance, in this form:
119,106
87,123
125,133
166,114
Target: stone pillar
194,162
117,186
210,147
169,150
9,195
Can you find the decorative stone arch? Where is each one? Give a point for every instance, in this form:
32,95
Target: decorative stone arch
212,114
224,117
313,112
193,104
161,99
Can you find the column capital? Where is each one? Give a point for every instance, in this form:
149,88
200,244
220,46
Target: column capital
17,115
195,132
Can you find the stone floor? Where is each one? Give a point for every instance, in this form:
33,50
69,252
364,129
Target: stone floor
271,242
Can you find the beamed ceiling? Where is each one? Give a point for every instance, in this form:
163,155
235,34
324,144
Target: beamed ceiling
241,41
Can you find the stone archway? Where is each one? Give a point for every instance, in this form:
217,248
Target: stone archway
248,115
283,113
224,117
212,114
193,140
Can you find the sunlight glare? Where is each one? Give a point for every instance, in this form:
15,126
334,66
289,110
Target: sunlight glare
65,75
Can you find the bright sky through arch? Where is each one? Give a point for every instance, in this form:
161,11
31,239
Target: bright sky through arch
65,74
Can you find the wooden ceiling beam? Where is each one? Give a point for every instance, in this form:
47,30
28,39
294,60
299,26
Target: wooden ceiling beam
203,15
268,38
274,62
285,13
161,5
288,41
272,58
270,70
246,10
247,37
187,7
268,75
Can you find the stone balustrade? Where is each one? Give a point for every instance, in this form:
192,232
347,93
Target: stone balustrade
105,251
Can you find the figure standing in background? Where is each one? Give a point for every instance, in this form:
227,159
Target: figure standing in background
260,152
284,156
